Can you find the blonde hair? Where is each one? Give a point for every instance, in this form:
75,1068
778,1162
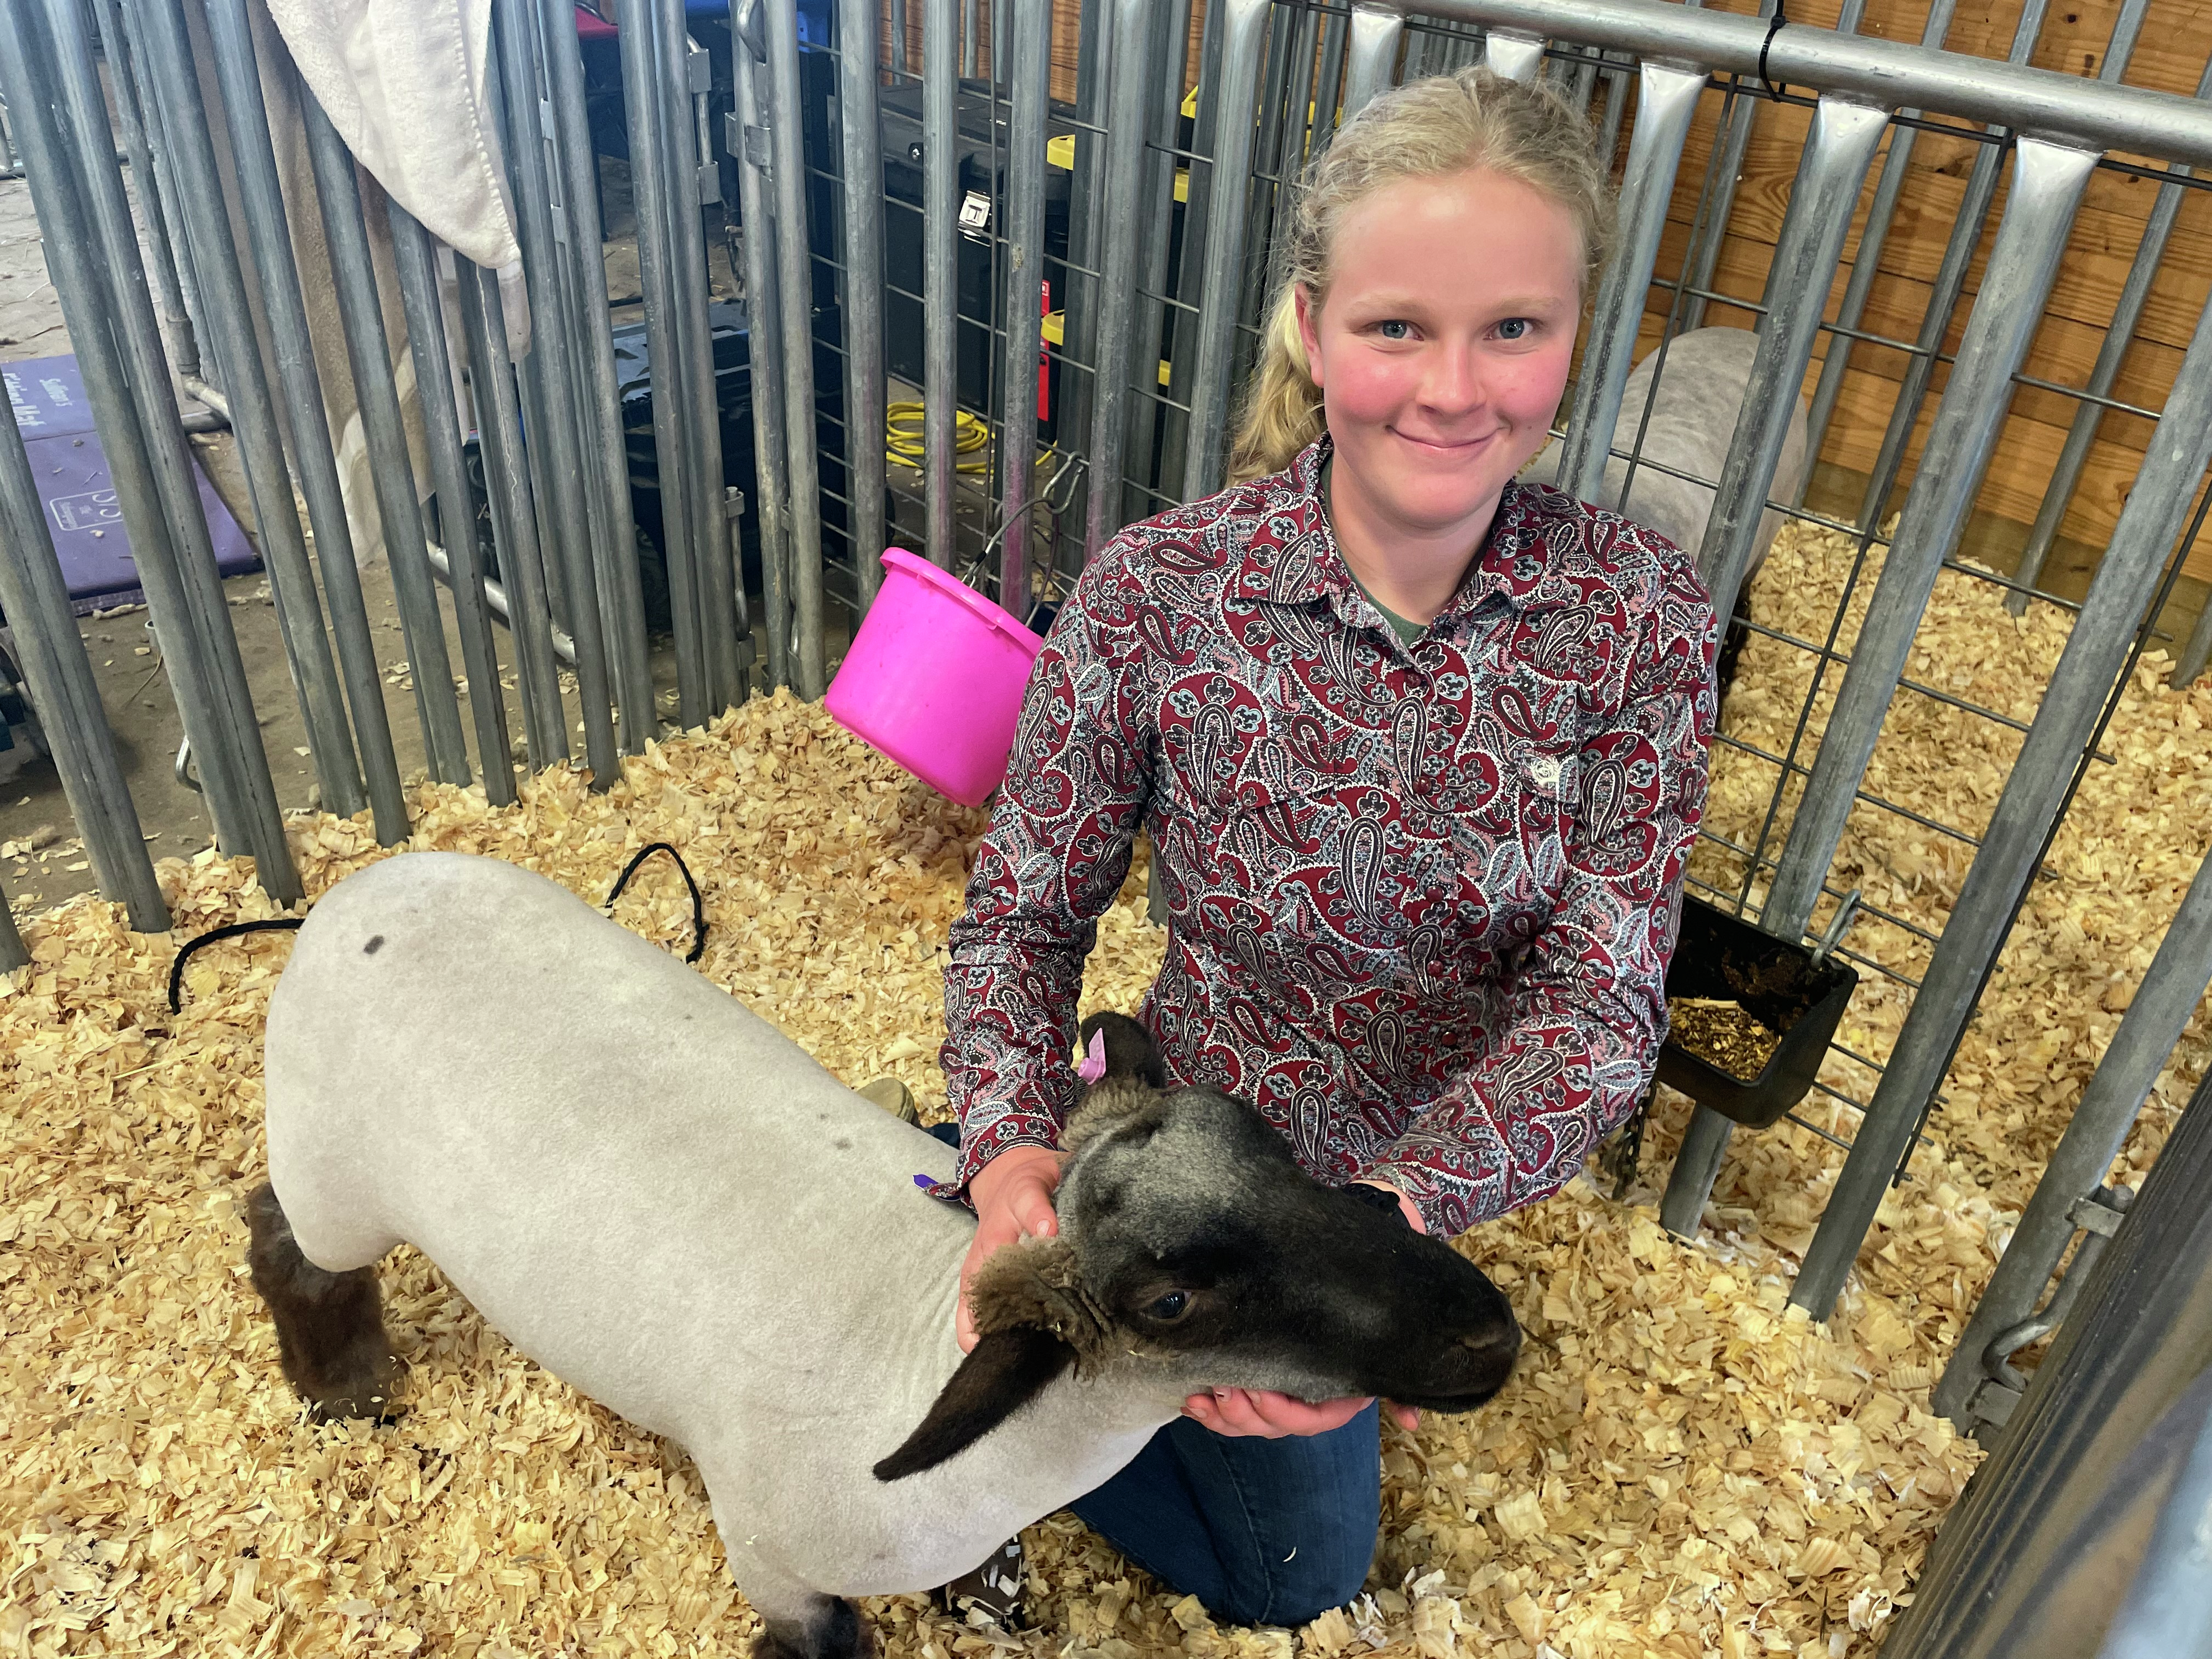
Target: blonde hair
1430,128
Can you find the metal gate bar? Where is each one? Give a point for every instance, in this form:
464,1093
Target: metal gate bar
2047,183
126,377
362,315
2119,334
206,229
36,602
441,433
307,421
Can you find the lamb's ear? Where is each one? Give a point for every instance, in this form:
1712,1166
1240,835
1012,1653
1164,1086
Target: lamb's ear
1034,1322
1007,1369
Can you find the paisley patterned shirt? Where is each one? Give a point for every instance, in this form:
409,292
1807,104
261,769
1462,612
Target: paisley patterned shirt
1421,898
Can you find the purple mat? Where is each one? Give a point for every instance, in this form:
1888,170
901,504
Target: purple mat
72,471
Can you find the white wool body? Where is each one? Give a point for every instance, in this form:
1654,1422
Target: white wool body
1692,427
668,1204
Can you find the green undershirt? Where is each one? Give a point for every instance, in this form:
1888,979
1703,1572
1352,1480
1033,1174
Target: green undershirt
1406,629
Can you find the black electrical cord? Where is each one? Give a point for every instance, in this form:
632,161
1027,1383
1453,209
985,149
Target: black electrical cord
290,923
1773,28
274,925
698,904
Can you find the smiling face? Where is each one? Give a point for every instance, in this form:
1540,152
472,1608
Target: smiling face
1442,347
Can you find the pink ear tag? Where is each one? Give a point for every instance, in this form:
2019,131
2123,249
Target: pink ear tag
1094,1060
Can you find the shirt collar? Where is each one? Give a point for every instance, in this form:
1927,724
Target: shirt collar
1292,556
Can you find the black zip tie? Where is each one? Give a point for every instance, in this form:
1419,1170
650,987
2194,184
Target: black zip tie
273,925
698,904
1773,28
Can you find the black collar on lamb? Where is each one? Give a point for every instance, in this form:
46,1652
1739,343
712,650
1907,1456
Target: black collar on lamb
1191,1241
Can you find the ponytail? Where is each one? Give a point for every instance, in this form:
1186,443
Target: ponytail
1282,411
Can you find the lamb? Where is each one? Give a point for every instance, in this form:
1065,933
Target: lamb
662,1199
1693,424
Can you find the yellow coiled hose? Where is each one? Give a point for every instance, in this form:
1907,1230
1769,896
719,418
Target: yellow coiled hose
904,443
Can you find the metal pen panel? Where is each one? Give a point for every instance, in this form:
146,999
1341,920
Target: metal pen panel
1335,33
940,297
176,82
1374,52
1117,268
1668,100
1515,56
969,35
2138,1343
2172,988
860,133
795,283
2119,334
442,435
1943,299
763,342
649,192
725,642
555,434
36,601
268,238
1087,206
515,519
2194,652
369,354
1030,70
84,213
184,346
599,398
1229,191
12,953
1839,151
1190,265
1165,51
2012,846
2047,183
1739,113
2042,102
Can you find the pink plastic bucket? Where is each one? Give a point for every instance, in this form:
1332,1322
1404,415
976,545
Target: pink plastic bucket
934,679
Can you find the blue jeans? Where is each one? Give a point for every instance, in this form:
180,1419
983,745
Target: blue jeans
1263,1532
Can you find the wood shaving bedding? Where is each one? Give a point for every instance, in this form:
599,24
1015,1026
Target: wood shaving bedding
1681,1468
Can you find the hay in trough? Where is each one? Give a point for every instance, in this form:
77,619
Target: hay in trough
1682,1467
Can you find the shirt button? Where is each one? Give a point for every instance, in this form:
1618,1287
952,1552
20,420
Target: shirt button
1545,768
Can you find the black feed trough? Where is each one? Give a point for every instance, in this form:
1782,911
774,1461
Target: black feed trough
1780,985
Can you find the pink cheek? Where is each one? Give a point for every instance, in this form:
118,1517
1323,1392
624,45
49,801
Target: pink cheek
1369,392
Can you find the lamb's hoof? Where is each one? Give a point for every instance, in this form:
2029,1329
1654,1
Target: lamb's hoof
834,1632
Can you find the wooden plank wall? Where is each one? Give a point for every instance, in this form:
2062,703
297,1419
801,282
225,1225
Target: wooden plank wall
2169,57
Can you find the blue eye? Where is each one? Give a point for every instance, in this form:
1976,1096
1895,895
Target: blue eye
1514,328
1394,330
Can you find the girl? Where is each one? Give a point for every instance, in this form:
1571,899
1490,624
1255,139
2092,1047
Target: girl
1421,753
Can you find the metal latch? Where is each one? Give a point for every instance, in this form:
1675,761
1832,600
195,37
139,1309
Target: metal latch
710,182
698,66
976,215
733,502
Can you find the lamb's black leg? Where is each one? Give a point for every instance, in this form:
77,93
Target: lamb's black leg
330,1327
834,1631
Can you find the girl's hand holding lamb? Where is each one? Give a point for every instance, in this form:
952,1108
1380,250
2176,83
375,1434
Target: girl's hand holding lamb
1013,1201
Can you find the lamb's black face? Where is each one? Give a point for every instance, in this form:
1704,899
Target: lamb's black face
1197,1231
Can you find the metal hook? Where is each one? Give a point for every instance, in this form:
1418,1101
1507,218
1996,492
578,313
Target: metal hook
1846,913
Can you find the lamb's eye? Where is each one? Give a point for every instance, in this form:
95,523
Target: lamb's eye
1172,1306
